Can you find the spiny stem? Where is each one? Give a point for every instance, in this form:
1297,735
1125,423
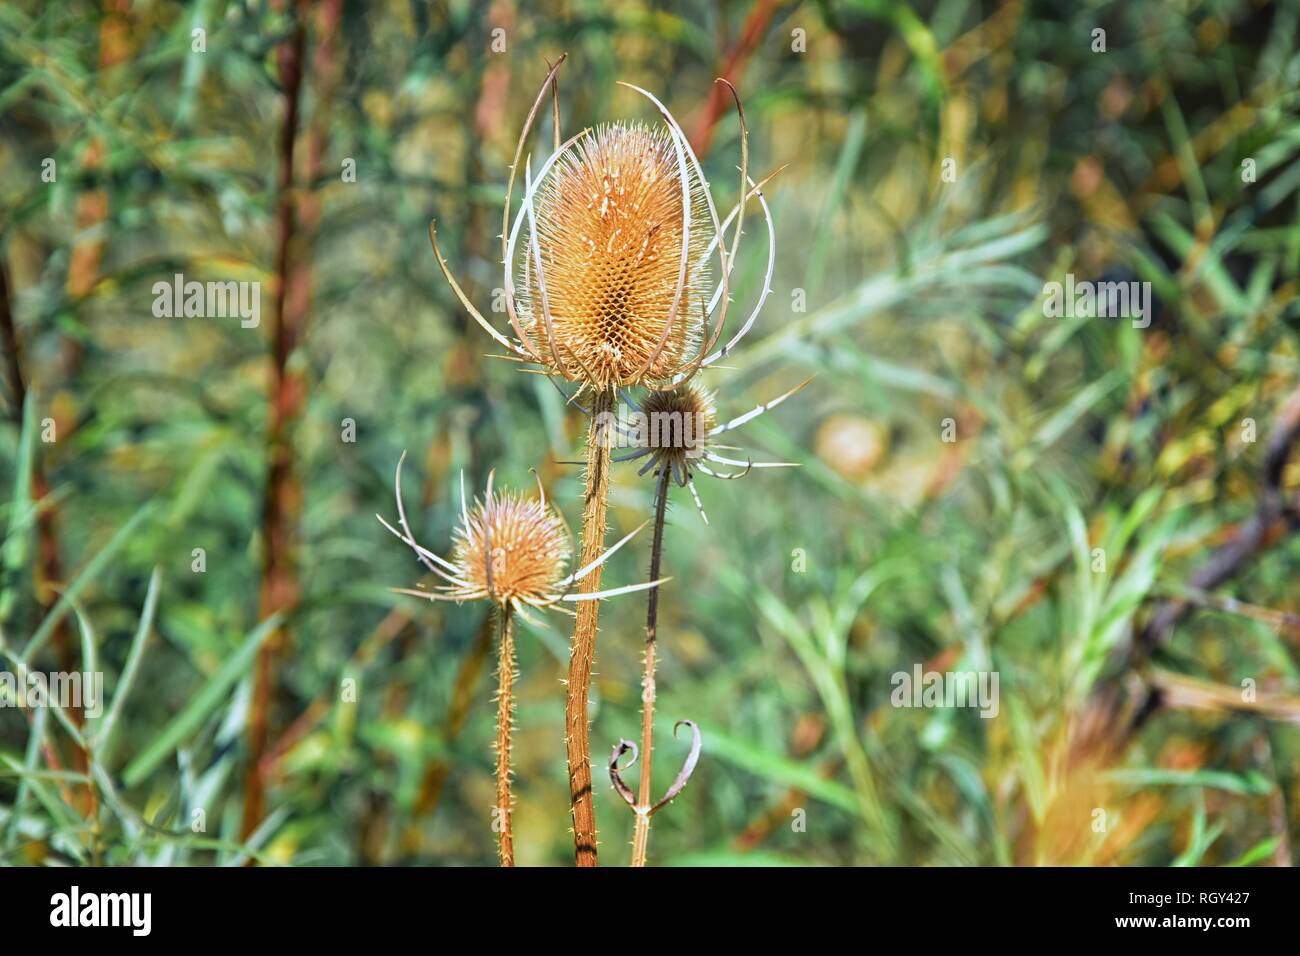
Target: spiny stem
584,635
641,833
505,716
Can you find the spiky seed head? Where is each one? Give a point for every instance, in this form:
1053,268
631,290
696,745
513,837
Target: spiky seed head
609,230
525,541
679,421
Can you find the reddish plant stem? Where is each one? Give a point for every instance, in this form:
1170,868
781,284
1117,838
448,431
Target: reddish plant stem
583,650
641,831
751,35
297,220
49,567
279,585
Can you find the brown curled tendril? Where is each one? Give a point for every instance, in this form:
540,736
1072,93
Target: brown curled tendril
679,784
688,767
622,747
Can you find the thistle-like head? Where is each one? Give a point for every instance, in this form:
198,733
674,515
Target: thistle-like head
609,272
677,424
613,277
511,549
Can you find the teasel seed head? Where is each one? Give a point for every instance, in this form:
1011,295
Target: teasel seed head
682,436
689,403
623,273
612,274
510,548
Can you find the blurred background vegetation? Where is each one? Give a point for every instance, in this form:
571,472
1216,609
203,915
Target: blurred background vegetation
918,303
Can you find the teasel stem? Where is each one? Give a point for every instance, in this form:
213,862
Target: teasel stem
583,650
505,718
641,833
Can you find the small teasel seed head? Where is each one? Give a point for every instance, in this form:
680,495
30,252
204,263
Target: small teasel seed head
610,239
678,421
525,542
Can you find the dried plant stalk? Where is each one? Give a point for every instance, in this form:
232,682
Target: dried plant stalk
641,833
505,718
512,550
584,637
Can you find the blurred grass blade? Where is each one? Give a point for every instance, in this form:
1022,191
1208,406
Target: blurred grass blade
104,737
18,538
201,704
92,570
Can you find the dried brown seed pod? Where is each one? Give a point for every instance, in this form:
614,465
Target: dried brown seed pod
607,272
510,549
678,429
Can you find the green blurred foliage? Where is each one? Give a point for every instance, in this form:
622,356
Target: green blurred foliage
810,587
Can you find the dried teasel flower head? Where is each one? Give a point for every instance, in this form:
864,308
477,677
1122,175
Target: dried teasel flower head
619,281
609,271
684,415
511,549
678,429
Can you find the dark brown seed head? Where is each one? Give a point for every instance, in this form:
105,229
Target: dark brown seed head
678,422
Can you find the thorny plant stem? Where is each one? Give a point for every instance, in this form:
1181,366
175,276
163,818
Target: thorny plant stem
641,833
505,717
584,636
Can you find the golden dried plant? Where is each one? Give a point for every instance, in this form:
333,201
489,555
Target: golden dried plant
512,550
606,265
680,434
614,289
509,549
608,285
678,428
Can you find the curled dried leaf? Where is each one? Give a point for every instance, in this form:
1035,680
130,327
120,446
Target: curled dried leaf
688,767
621,748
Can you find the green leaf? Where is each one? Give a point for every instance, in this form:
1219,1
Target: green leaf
17,540
88,574
779,769
1260,851
1250,783
179,729
104,738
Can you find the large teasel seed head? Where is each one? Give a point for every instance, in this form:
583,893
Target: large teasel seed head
511,548
609,234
